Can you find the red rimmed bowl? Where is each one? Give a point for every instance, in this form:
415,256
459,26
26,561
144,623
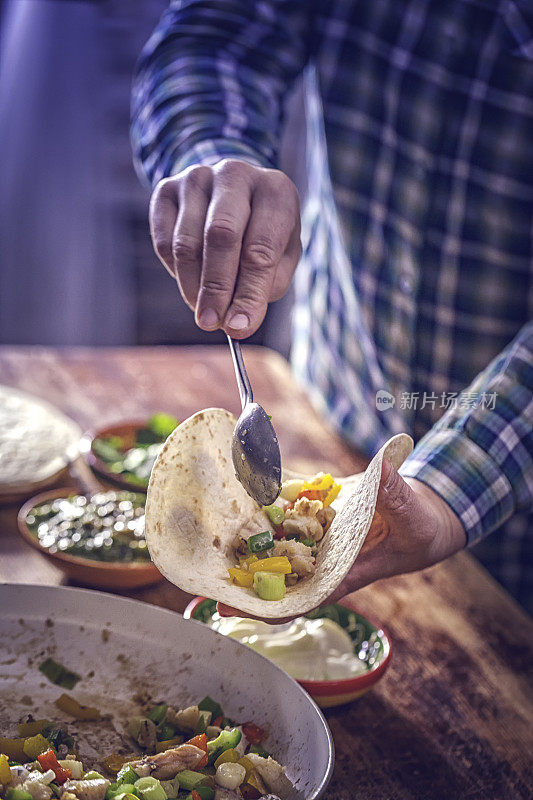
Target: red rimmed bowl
333,692
127,431
87,571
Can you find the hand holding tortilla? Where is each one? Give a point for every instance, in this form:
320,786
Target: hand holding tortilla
196,510
413,528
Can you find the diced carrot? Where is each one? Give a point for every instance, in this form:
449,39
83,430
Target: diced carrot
48,760
312,494
253,732
201,742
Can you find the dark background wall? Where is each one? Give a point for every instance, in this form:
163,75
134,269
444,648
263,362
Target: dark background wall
76,262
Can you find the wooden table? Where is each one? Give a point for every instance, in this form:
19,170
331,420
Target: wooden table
452,717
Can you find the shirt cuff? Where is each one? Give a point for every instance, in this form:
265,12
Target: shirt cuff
210,151
466,478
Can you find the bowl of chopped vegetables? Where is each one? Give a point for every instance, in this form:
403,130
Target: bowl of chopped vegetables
334,652
125,453
97,540
106,698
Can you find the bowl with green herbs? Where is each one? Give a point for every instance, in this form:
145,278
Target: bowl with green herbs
96,539
125,453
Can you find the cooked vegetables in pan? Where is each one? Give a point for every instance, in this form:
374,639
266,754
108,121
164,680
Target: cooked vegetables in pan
193,753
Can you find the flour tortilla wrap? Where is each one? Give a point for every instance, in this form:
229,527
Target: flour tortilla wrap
196,506
37,441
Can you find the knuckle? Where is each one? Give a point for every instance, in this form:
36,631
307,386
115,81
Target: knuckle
164,189
162,247
186,248
280,181
197,177
233,166
221,235
259,255
157,200
282,195
251,295
217,285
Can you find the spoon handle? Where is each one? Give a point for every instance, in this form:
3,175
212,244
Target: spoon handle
243,382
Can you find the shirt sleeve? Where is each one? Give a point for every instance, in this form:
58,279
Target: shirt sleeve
479,459
210,82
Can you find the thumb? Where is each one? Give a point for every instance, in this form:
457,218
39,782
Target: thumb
395,496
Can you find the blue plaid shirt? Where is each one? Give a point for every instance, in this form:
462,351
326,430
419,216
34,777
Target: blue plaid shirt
415,290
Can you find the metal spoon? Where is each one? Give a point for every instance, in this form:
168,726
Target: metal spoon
255,448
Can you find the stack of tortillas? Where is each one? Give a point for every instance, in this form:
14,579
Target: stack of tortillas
37,441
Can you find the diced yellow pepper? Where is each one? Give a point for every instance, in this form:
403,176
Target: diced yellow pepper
332,494
168,744
35,745
71,706
228,756
274,564
32,728
247,764
5,772
318,483
249,560
241,577
114,762
254,779
13,748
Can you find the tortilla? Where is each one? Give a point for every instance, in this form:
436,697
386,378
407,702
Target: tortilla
196,506
37,441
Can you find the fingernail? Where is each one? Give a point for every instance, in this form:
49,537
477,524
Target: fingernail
387,475
239,322
208,318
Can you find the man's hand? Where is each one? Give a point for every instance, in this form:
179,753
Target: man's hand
230,235
413,528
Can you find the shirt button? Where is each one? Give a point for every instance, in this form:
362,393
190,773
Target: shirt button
406,282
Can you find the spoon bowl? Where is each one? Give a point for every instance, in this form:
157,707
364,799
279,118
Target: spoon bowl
255,447
256,456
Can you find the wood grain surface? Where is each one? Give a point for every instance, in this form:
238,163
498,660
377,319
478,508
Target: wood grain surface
453,716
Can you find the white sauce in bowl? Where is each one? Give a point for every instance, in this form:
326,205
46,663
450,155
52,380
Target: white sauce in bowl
307,649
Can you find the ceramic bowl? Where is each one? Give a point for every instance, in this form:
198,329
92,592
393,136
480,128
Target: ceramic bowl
89,572
126,430
335,692
126,651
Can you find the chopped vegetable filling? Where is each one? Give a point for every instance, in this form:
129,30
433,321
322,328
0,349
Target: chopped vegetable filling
215,764
300,518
